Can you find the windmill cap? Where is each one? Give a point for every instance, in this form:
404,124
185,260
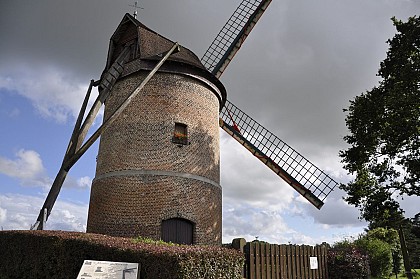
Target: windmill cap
149,47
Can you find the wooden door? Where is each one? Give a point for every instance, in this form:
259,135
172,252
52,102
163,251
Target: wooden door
177,230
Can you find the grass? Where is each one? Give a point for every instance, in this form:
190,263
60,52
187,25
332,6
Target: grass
402,275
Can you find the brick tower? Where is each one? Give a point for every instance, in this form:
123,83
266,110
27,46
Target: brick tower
158,172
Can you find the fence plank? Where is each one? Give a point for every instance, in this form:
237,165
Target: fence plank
294,262
282,261
277,262
262,257
318,248
304,263
299,262
270,260
252,260
273,261
308,254
321,262
289,261
325,262
257,261
318,255
312,253
316,270
308,250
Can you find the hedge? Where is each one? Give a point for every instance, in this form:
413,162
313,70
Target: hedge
347,262
58,254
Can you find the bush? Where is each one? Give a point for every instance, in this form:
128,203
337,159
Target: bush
54,254
391,237
380,256
346,261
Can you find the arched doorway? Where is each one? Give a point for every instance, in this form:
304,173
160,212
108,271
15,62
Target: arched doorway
177,230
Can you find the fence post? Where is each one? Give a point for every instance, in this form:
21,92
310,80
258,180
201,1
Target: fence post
239,244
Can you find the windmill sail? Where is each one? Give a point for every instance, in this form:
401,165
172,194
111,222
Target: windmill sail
233,34
297,171
307,179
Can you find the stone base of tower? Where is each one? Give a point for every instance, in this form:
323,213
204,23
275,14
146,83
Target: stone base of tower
131,205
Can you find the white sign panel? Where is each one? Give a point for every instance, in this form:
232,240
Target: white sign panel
108,270
313,261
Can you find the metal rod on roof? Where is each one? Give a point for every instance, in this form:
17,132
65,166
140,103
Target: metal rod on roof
135,9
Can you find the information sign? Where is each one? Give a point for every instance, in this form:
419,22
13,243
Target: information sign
108,270
313,262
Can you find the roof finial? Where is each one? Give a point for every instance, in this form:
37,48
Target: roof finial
135,8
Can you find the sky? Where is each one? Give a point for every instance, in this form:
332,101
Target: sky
295,74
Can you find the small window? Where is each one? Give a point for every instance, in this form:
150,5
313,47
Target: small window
180,134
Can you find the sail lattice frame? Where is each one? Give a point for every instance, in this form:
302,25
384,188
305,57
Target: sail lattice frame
310,181
232,35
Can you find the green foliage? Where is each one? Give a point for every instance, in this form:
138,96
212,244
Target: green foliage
147,240
346,261
54,254
380,256
371,254
412,236
384,125
391,237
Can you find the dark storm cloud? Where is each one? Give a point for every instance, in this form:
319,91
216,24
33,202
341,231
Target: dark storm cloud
75,34
72,35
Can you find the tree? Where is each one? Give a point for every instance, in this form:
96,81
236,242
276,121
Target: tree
412,235
380,256
384,139
383,248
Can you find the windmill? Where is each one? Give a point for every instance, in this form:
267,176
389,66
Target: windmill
147,184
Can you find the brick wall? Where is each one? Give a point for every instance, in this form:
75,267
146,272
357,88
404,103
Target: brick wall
142,177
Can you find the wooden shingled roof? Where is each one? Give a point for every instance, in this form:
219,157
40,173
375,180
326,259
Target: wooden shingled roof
149,44
147,47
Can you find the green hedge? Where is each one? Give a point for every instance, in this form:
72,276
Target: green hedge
57,254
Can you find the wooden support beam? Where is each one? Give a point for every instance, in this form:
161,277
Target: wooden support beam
62,173
75,148
121,108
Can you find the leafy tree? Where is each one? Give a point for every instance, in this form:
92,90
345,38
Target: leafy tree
412,236
379,255
382,246
391,237
384,139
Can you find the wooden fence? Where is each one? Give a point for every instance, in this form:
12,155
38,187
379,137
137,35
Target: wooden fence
272,261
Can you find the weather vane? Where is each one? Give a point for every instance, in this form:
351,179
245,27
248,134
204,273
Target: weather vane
135,8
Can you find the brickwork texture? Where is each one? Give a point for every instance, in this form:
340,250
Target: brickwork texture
142,177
